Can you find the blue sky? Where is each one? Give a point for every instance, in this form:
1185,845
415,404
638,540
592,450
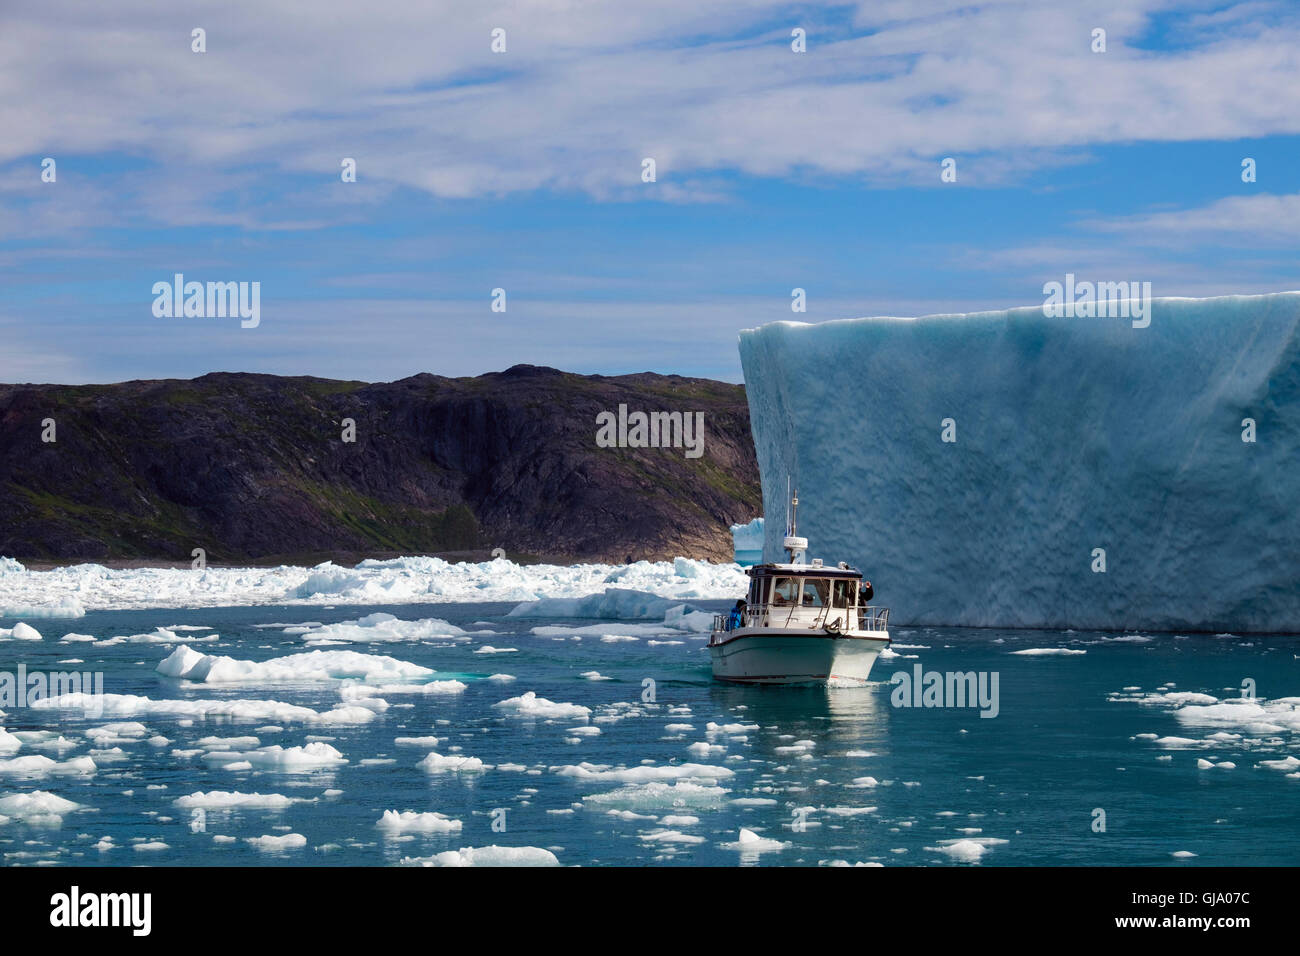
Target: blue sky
521,170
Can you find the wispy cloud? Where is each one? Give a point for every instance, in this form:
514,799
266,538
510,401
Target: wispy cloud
587,89
523,170
1265,220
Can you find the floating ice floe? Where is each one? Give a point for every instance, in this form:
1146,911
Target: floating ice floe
844,863
798,747
1049,652
702,750
119,732
602,773
530,705
275,844
628,631
967,849
452,763
9,743
487,856
188,664
227,743
657,795
230,800
408,821
39,765
670,836
749,842
1254,716
37,807
313,756
712,728
847,811
433,688
20,632
160,636
1288,765
678,820
128,705
1203,764
377,628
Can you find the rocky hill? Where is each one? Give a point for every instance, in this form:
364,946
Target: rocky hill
255,468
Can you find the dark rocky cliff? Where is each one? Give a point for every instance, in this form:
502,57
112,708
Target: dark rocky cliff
253,468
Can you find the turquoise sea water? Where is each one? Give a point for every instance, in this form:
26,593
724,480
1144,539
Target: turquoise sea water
798,763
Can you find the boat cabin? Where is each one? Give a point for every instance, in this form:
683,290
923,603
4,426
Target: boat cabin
803,595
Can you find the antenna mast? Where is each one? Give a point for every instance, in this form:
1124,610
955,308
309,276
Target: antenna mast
795,546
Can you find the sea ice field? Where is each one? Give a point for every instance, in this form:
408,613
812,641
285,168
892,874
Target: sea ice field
407,713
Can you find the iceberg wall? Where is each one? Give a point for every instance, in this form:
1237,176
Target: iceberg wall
747,542
1071,435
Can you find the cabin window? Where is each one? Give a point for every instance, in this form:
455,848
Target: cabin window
786,592
843,594
815,592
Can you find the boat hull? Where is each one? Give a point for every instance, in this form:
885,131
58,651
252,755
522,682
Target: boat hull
772,656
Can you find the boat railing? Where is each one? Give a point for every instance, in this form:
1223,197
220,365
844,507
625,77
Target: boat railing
873,618
769,615
870,618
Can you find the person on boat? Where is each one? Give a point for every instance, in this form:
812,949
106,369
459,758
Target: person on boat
785,592
865,593
737,616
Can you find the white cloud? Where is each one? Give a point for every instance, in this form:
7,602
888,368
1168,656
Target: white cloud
587,89
1264,219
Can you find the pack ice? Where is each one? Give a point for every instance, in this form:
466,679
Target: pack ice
71,591
1094,474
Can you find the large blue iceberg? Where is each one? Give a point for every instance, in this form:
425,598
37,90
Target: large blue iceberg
1072,441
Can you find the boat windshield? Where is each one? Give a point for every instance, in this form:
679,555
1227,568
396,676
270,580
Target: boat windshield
786,591
844,593
815,591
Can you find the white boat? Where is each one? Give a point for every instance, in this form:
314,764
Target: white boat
801,622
